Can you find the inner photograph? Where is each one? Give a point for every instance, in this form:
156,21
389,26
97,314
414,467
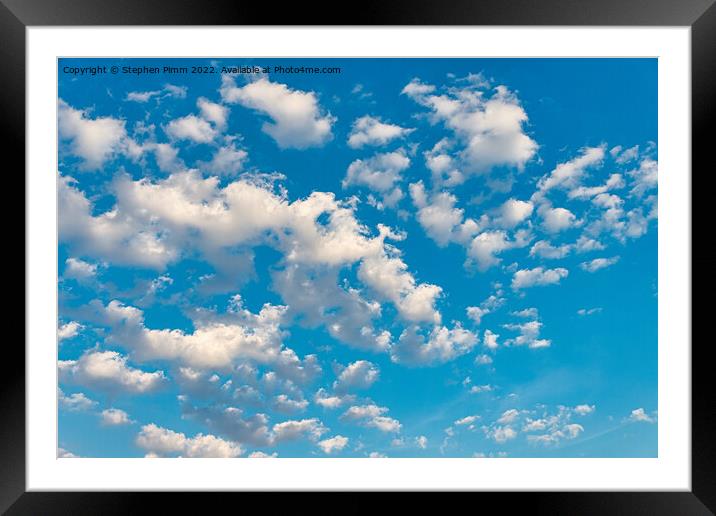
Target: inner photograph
357,257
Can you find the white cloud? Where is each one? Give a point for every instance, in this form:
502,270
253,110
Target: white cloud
115,417
358,375
492,303
555,427
334,444
297,119
169,90
191,127
467,420
371,416
531,313
622,156
640,415
212,112
489,340
95,140
388,277
344,312
445,168
598,263
439,217
283,403
477,389
368,130
142,96
159,441
422,442
227,160
526,278
543,249
108,370
68,330
218,341
235,425
588,311
645,177
439,346
328,401
569,174
583,192
292,430
502,434
476,313
555,220
483,360
528,335
64,454
585,244
489,124
585,409
380,173
79,269
513,212
486,246
508,416
76,402
261,455
153,223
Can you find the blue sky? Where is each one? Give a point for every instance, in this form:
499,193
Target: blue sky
408,258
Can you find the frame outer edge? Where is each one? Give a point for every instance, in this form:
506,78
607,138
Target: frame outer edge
12,53
12,144
703,112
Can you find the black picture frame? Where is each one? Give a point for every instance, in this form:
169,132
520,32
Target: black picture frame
700,15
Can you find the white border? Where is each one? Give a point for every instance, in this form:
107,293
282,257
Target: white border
671,470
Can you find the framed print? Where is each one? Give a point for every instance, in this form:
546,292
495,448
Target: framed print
432,250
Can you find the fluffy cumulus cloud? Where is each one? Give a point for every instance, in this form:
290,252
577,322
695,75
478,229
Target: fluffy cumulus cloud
490,123
528,335
537,277
368,130
227,160
218,342
192,128
168,91
75,402
333,445
639,415
570,173
94,139
68,330
380,173
360,374
598,263
79,270
153,222
555,220
440,218
297,120
513,212
543,249
109,371
162,442
440,345
372,416
485,247
292,430
115,417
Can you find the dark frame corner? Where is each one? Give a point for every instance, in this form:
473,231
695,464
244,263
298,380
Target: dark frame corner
700,15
